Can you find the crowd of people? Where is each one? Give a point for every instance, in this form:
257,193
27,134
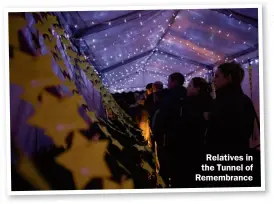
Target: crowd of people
183,124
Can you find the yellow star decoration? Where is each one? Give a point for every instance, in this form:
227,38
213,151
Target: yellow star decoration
78,99
51,44
59,31
83,65
147,167
79,140
72,61
37,73
65,41
160,181
148,149
62,65
53,116
117,144
92,116
43,28
82,58
70,85
31,95
71,53
86,162
16,23
109,184
27,169
52,19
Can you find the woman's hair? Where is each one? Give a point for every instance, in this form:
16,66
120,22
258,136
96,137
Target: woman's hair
178,77
149,86
201,83
233,69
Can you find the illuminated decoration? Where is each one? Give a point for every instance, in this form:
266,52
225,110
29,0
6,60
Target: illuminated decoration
79,140
38,75
164,42
61,120
83,169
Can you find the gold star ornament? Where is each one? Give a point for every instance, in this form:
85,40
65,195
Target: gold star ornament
86,162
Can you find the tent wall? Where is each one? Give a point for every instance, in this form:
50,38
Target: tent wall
32,139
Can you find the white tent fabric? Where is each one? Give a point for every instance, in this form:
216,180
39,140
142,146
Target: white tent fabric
132,48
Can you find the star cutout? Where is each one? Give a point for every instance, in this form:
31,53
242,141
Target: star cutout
92,116
43,28
86,162
65,41
70,85
51,44
117,144
147,167
78,99
16,23
79,140
57,117
31,95
52,19
59,31
72,61
62,65
71,53
38,73
83,65
82,58
160,181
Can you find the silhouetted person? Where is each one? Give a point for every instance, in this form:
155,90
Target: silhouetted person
165,124
154,100
189,144
232,118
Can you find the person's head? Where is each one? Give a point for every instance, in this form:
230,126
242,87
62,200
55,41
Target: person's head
197,86
230,73
149,88
157,86
175,80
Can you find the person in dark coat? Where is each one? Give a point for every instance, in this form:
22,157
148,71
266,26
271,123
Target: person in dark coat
188,149
232,118
155,99
165,123
231,122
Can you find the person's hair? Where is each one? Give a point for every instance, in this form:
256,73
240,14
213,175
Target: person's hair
149,86
201,83
178,77
158,85
233,69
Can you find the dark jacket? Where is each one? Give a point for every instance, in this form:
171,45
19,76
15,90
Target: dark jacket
232,122
153,102
165,122
193,123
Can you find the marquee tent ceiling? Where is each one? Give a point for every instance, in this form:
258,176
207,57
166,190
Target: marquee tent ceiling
132,48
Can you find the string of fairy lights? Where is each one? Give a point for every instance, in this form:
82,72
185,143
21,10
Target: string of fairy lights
164,39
